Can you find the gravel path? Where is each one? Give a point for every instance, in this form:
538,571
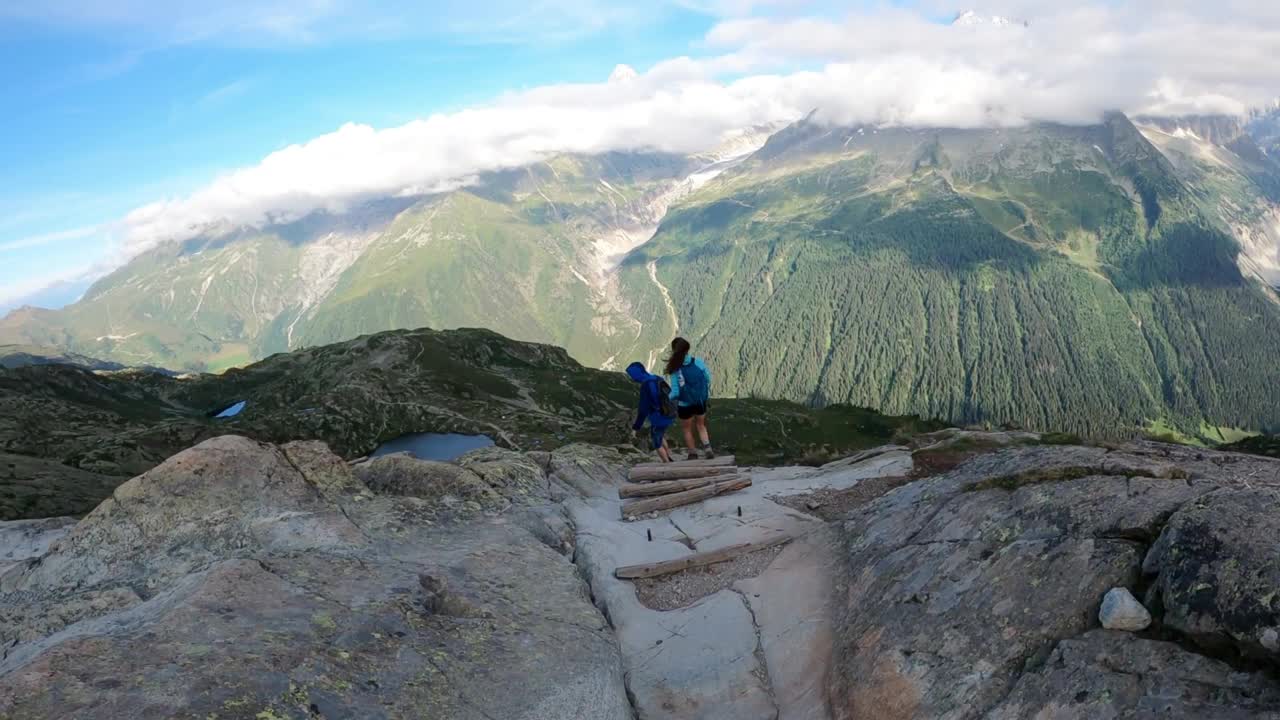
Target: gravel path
686,587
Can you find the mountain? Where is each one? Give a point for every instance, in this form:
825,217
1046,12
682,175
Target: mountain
527,252
1101,280
1048,276
70,435
1221,160
13,356
57,295
1264,126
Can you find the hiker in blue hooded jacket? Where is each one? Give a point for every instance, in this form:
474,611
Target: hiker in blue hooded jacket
691,391
653,398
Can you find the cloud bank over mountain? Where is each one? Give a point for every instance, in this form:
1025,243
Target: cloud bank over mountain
1068,62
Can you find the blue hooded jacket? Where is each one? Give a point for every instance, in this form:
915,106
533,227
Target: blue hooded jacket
650,397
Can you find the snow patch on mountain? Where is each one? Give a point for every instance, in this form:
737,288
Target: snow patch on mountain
321,265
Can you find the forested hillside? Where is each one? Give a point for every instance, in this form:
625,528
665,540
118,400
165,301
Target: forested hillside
1049,277
529,252
1084,279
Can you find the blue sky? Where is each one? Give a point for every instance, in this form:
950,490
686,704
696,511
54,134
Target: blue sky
104,115
133,122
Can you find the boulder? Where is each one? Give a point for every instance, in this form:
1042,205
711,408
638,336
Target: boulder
1217,571
243,580
444,486
1121,611
1105,675
590,470
953,585
519,479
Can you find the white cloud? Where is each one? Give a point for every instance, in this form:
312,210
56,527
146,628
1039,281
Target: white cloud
14,294
884,66
42,239
669,109
1070,63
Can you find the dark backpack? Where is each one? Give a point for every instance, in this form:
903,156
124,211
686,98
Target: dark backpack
694,385
665,406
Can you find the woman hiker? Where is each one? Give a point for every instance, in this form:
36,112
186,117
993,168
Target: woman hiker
691,390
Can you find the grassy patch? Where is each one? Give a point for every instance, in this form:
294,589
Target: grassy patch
231,355
777,432
1162,431
1058,438
1225,435
1265,445
1010,483
1041,476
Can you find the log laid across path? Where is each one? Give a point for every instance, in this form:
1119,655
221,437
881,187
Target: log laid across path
718,461
698,559
668,472
664,502
670,486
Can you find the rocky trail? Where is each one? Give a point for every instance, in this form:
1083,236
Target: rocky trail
962,577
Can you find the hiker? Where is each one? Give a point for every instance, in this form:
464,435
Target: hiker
655,406
691,390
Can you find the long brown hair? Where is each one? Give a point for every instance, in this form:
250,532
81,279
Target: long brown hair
679,351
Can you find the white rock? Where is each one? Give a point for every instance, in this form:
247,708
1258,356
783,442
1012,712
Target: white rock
1271,639
1122,611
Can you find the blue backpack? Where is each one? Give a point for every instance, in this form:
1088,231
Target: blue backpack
695,387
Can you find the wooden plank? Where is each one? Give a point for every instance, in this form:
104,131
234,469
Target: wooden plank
678,473
718,461
669,486
698,559
665,502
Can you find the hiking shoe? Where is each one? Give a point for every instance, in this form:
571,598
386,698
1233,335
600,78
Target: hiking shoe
708,453
693,454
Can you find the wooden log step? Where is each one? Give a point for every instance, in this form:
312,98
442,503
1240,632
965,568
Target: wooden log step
717,461
698,559
665,502
666,487
678,473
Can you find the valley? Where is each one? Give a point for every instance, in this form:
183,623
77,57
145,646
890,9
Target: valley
1102,280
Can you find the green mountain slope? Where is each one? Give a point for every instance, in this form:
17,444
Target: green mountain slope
528,252
201,304
68,436
525,253
1049,277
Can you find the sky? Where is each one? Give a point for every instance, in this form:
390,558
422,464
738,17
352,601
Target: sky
130,123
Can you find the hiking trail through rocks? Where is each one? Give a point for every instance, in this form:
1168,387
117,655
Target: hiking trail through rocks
240,579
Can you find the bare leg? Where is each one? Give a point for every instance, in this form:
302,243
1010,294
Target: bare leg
664,452
702,430
687,427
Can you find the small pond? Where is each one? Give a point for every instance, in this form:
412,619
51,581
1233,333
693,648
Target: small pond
433,446
232,410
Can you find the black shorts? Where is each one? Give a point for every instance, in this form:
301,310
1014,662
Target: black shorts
687,411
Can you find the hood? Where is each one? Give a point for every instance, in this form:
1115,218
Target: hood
636,372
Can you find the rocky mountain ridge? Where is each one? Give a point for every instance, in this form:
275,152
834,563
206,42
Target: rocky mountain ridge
68,436
279,582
